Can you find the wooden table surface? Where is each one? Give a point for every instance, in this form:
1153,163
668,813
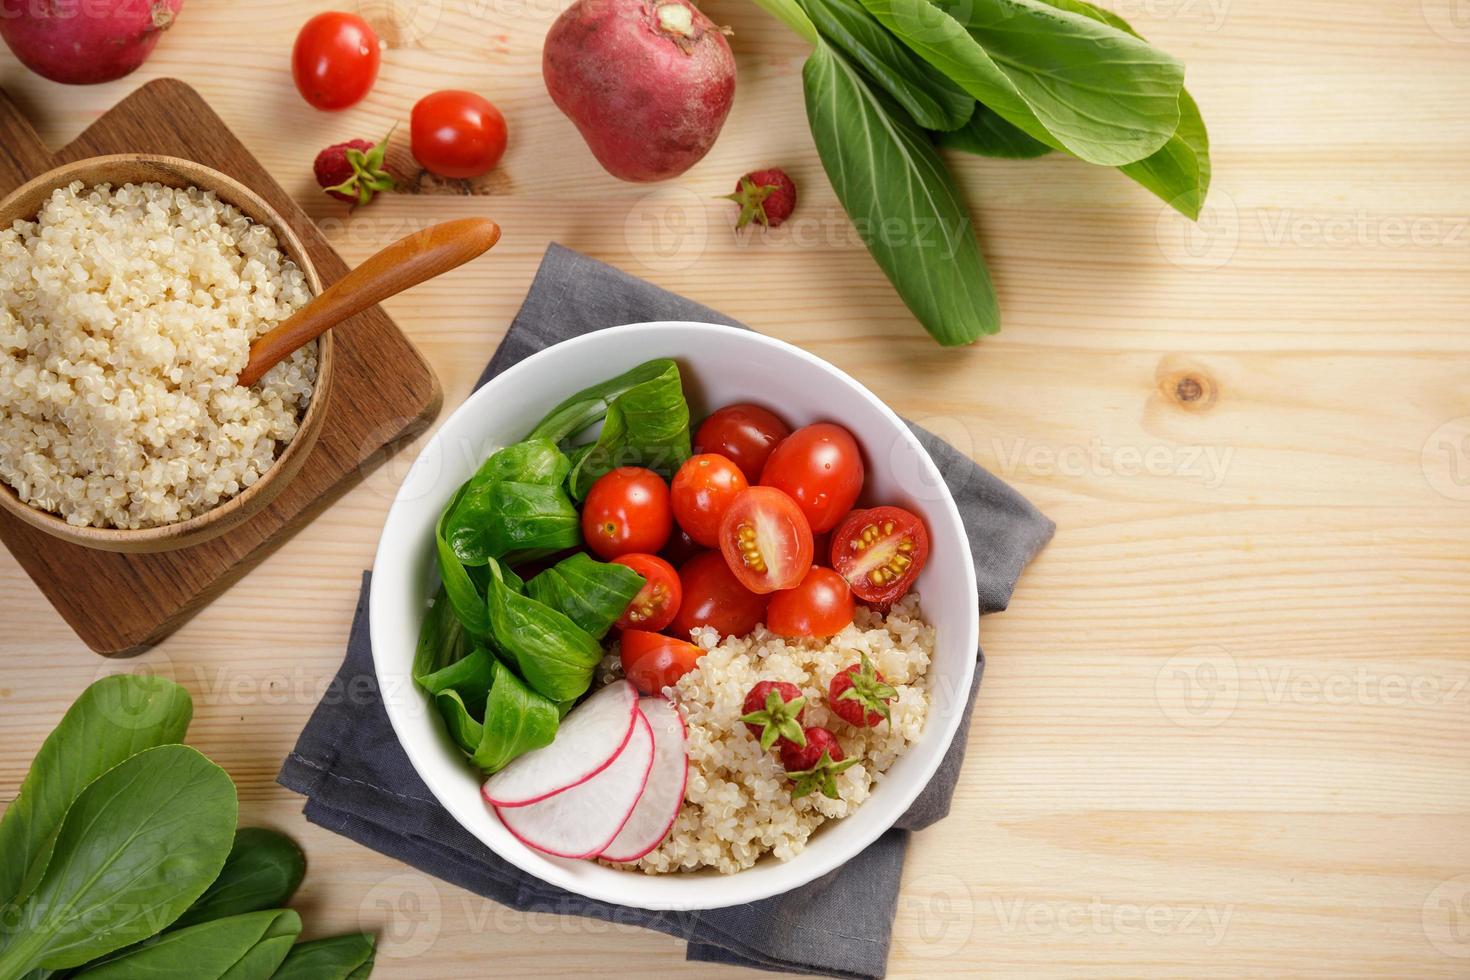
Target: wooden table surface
1223,727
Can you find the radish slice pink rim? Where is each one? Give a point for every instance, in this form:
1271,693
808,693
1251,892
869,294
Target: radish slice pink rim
638,719
678,799
576,780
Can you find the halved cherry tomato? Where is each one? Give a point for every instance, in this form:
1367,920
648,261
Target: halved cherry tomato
820,606
703,489
335,60
713,596
653,661
880,551
766,540
627,510
654,606
820,467
744,434
457,134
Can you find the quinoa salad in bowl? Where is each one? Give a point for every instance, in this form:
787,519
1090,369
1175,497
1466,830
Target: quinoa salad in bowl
739,803
128,310
673,635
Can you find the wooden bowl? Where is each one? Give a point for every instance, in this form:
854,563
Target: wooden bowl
136,168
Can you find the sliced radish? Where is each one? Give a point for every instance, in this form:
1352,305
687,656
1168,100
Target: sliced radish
581,821
589,738
654,815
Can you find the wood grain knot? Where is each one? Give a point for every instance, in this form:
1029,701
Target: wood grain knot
1186,386
1189,389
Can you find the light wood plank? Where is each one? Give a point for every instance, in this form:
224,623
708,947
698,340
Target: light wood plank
1296,544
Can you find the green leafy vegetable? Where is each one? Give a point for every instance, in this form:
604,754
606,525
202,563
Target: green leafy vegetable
464,597
469,676
443,639
113,720
903,201
929,97
1096,13
348,957
789,12
528,461
1066,79
587,407
1043,75
591,593
988,135
517,720
645,422
494,519
127,853
464,727
554,655
263,870
138,846
647,425
514,503
1179,172
459,690
489,711
238,947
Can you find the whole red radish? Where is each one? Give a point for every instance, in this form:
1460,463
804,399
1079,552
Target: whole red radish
648,83
84,44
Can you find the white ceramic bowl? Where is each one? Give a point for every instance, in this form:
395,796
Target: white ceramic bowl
719,365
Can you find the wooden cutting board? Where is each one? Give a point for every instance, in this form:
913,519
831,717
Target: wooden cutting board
122,604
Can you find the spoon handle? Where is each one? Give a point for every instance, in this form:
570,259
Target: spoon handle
407,262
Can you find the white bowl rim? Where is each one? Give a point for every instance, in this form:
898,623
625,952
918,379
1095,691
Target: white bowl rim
727,888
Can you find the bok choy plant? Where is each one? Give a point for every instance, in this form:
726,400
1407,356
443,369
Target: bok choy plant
120,858
889,82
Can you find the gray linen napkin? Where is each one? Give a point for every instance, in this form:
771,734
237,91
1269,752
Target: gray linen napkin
359,783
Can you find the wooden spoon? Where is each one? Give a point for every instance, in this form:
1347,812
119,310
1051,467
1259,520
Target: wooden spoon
407,262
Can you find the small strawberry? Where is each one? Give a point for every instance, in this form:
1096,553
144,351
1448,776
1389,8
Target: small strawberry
773,710
353,171
767,196
859,696
815,765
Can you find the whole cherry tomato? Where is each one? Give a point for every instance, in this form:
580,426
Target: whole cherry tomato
820,605
653,661
681,548
766,540
703,489
335,60
880,551
744,434
627,510
820,467
654,606
457,134
713,596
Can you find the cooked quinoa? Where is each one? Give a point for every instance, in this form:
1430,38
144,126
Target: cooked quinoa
127,314
737,802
